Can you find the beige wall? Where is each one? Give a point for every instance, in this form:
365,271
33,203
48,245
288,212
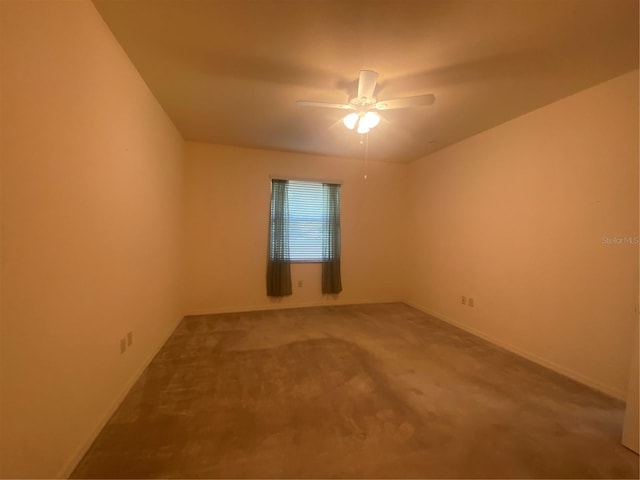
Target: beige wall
227,214
91,202
91,189
515,216
631,425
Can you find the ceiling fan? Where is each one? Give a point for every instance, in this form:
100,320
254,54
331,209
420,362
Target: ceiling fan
365,106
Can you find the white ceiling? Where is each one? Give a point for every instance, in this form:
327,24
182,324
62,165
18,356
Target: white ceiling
230,71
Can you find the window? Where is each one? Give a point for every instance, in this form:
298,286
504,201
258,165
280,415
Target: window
306,221
304,226
310,213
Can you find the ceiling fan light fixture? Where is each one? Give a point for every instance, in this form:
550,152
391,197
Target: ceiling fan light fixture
364,118
372,119
362,126
350,120
364,121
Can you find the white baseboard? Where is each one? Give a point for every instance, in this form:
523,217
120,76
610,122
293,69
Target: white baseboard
567,372
282,306
73,461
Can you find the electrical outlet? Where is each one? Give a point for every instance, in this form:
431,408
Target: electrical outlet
464,300
123,345
129,339
300,283
470,302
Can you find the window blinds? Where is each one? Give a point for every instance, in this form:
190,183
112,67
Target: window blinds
307,217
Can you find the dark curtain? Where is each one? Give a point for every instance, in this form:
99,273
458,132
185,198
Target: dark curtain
279,263
331,281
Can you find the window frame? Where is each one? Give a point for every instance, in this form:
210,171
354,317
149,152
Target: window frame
303,180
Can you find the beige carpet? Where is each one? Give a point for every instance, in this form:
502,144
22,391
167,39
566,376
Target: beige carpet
353,391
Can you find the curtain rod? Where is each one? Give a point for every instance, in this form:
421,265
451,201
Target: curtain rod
305,179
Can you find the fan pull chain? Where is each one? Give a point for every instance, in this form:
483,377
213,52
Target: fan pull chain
365,139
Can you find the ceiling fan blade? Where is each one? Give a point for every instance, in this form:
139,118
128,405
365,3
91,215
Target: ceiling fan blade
305,103
367,84
417,101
